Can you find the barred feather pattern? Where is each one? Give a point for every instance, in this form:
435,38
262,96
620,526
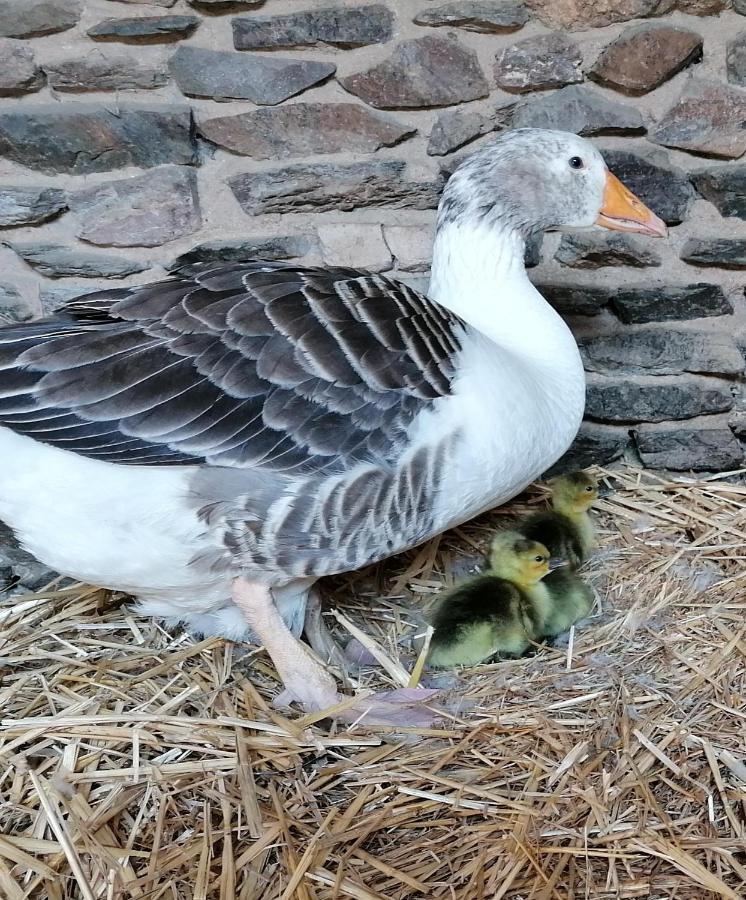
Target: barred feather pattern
290,389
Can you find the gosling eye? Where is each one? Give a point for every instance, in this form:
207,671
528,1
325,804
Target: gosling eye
589,489
539,559
576,162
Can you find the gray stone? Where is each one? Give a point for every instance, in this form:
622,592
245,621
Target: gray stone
657,399
354,245
535,63
141,211
58,261
595,445
644,56
80,138
13,308
422,72
666,303
98,72
340,26
737,422
302,129
166,3
19,73
54,298
708,118
532,256
486,16
230,76
455,128
661,186
411,246
32,18
322,186
736,59
725,253
655,351
24,205
145,29
219,7
725,186
291,246
579,109
575,299
699,448
591,251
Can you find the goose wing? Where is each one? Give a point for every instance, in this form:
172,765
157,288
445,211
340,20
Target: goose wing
242,365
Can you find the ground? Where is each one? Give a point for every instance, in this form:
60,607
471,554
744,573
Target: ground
137,763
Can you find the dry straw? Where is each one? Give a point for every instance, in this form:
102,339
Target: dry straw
135,763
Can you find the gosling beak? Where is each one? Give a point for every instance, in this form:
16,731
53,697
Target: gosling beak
622,211
604,491
556,563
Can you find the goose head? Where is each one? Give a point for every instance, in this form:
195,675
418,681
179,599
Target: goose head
533,180
519,560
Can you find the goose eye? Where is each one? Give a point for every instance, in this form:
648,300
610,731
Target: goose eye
589,489
539,558
576,162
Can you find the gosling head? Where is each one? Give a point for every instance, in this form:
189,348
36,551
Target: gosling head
531,180
517,559
574,493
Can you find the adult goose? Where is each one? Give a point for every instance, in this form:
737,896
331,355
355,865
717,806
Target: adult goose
215,442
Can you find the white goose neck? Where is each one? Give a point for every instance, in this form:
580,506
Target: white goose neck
478,272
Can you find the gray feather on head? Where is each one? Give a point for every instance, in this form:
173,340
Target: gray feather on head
524,181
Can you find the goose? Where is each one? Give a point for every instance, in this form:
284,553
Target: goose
567,528
499,612
570,599
215,442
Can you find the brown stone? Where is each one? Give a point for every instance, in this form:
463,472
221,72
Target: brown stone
644,56
105,72
427,71
595,13
708,118
80,138
141,211
19,73
702,7
305,128
324,186
546,61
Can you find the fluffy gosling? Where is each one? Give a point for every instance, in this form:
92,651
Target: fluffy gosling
500,612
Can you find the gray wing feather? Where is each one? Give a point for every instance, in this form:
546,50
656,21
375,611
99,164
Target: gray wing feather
286,368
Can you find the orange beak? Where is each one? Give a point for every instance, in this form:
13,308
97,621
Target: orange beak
622,211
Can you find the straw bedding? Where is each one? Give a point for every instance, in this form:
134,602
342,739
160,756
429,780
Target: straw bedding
136,763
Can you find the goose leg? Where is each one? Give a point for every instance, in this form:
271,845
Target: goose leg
305,679
308,682
319,636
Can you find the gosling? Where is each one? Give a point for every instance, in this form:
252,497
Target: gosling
498,613
567,529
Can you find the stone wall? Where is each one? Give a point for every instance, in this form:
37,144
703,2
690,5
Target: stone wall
136,136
